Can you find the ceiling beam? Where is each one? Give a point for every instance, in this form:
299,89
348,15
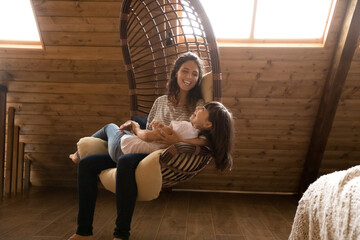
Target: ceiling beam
334,83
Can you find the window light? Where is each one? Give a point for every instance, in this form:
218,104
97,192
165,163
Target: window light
270,21
291,19
18,26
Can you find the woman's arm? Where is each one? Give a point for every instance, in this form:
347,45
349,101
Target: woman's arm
152,113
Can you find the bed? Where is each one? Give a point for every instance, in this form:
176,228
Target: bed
330,208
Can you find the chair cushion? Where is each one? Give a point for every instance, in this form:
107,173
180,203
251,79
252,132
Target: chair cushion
207,87
147,174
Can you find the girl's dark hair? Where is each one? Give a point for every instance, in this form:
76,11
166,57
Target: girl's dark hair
220,136
194,94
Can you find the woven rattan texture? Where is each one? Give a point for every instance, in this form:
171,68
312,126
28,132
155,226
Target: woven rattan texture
153,35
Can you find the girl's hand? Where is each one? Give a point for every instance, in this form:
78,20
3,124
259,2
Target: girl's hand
168,136
156,124
134,126
126,126
130,126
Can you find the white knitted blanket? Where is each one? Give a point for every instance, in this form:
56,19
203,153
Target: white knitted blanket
330,208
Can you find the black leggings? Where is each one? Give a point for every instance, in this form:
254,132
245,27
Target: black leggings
126,191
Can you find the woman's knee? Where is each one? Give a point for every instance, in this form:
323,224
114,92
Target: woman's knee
95,163
85,162
123,163
130,161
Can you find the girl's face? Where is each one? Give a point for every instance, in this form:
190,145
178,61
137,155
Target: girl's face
187,75
200,118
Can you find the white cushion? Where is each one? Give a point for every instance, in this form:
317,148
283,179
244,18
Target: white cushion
207,87
147,174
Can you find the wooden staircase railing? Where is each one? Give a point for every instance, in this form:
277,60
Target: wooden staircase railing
14,170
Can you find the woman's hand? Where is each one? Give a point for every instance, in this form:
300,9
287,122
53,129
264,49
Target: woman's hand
168,136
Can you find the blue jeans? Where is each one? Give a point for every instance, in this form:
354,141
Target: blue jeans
112,134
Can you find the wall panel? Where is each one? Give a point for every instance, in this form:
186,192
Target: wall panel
77,84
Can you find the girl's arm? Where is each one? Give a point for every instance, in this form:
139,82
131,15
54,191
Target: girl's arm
170,136
164,135
196,141
156,124
145,134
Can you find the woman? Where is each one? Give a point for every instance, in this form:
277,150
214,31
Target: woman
184,94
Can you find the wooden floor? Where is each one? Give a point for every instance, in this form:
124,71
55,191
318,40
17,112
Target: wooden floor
49,214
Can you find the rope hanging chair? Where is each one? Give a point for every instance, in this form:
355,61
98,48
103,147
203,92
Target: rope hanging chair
153,34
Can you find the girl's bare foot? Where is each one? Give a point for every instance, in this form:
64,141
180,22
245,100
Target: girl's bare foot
75,157
79,237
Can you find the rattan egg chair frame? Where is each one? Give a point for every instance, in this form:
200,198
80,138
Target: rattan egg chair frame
153,34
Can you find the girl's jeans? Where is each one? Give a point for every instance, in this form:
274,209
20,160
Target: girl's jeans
112,134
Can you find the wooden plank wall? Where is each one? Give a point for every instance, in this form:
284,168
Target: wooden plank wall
69,90
78,84
274,94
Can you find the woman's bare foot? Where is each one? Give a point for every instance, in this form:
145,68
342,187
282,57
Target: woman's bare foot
79,237
75,157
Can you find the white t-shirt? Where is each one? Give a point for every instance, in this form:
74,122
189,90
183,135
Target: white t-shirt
133,144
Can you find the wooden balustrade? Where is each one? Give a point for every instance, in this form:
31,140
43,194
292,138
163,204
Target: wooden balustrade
9,150
20,170
14,169
15,173
3,91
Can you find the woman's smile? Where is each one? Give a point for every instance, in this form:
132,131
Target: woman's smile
187,82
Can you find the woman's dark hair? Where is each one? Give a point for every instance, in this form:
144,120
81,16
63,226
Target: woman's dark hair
194,94
220,136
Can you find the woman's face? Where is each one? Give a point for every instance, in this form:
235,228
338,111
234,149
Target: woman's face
187,75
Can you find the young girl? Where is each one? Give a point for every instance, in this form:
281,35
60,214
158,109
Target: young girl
210,125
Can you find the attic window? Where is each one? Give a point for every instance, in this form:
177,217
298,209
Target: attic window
270,21
18,27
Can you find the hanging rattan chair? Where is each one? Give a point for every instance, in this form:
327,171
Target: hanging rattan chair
154,33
